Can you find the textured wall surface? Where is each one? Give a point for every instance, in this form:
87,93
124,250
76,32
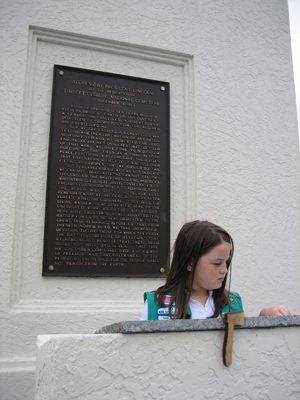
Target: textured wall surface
234,151
186,365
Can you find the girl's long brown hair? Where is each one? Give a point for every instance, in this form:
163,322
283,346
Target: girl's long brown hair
193,241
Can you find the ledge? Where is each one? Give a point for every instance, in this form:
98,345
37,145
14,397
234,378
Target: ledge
197,325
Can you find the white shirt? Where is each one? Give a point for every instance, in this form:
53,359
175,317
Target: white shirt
198,310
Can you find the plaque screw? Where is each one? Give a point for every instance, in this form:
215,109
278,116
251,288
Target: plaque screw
61,73
163,88
51,268
162,270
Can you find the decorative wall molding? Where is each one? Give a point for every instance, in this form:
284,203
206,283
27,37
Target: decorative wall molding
17,364
59,306
29,291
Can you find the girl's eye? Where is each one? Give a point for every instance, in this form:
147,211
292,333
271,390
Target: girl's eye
217,264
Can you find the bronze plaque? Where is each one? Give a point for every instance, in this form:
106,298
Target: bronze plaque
108,184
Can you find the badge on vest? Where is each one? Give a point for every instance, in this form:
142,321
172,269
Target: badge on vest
163,312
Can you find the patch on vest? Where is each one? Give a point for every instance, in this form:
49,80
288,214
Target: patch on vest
163,312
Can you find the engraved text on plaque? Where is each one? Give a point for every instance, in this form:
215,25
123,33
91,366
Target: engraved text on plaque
107,207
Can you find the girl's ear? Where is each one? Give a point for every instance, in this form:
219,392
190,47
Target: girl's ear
190,266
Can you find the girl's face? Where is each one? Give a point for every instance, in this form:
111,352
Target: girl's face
211,268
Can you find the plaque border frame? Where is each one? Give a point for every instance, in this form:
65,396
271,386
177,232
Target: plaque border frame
39,36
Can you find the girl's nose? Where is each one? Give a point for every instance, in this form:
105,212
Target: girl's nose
224,268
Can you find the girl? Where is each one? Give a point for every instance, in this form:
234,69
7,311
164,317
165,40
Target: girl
195,284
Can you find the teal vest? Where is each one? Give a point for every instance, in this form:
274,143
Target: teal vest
156,312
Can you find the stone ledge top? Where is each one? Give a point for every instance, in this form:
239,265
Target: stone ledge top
197,325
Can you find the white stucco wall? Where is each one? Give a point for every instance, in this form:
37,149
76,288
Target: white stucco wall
181,365
234,151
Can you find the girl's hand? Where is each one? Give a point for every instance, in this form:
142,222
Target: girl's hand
274,311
